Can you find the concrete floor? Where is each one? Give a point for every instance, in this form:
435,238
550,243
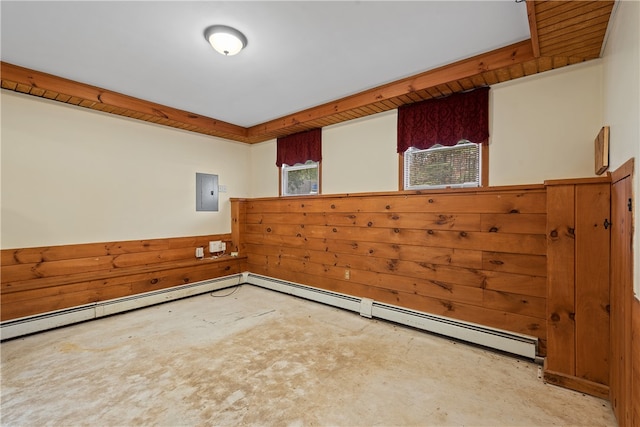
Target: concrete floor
256,357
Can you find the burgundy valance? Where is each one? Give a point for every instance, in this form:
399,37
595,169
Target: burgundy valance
444,121
299,147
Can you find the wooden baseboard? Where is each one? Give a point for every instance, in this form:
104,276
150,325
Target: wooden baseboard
577,384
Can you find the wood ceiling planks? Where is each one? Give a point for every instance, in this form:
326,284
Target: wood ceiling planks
563,33
571,28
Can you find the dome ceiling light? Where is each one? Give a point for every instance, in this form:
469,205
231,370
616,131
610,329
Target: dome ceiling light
225,40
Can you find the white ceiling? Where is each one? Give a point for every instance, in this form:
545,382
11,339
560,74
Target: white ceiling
300,54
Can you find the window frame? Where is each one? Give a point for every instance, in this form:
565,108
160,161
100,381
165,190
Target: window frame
297,166
484,171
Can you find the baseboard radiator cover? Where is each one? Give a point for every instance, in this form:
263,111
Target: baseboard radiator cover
509,342
518,344
54,319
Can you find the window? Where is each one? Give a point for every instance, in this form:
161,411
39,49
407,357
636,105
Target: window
300,179
434,141
440,166
298,158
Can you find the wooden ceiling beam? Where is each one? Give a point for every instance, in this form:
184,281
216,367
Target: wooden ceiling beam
496,59
37,81
533,28
554,43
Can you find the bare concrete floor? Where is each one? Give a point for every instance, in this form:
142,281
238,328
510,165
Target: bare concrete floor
257,357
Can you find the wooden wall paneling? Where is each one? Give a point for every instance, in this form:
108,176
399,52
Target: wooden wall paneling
22,272
42,300
525,201
578,384
331,278
621,297
238,221
517,224
578,285
456,288
635,362
66,252
459,222
592,204
478,255
374,277
513,243
435,255
560,279
535,286
514,303
55,262
534,265
38,280
423,287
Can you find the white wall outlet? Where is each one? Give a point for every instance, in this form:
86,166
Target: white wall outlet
199,252
347,274
216,246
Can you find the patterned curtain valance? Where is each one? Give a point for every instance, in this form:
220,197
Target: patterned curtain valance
299,148
444,121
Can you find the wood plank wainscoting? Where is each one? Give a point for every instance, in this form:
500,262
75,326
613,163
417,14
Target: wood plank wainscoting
43,279
480,255
625,308
474,255
578,231
635,368
529,259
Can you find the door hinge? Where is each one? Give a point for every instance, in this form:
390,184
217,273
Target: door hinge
629,204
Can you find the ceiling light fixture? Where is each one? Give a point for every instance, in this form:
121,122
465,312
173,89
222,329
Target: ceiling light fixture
225,40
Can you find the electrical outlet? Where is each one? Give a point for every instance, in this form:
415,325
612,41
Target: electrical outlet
347,274
199,252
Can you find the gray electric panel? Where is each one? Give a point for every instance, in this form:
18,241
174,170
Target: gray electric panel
206,192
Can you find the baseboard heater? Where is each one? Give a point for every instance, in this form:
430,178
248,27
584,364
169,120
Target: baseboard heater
522,345
518,344
54,319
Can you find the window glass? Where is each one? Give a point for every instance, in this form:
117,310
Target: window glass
300,179
441,167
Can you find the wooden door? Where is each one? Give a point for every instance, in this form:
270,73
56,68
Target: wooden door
621,295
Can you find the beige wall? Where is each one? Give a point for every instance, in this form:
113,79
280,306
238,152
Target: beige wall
360,155
71,175
622,99
542,127
99,177
370,140
264,172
